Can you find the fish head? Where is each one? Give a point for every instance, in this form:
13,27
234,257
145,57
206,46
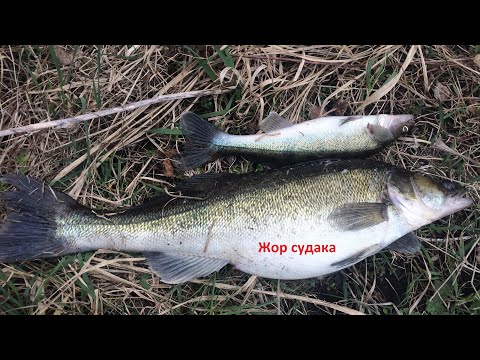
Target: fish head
423,199
397,124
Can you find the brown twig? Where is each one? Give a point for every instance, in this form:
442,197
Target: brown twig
440,145
62,123
434,101
295,60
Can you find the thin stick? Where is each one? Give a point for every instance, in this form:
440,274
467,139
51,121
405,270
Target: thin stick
440,145
355,66
85,117
340,308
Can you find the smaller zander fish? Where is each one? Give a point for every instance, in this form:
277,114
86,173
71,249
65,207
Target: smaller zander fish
285,142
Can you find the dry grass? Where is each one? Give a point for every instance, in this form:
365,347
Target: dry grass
119,160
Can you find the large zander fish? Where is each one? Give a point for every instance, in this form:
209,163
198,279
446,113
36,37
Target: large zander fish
284,142
294,222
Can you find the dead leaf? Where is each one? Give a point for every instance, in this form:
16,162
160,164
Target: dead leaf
339,108
476,59
440,145
442,92
65,57
472,106
315,112
168,168
167,164
170,153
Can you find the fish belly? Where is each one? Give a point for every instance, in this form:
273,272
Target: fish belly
299,251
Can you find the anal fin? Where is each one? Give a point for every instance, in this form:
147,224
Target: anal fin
177,269
355,258
407,244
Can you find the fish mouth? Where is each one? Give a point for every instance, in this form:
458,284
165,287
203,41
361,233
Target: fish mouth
461,199
457,195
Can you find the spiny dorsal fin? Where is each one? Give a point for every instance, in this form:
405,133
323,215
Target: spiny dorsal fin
155,201
348,119
274,122
177,269
351,217
407,244
204,184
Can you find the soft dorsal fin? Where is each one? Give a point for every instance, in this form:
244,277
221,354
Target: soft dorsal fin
274,122
197,186
407,244
177,269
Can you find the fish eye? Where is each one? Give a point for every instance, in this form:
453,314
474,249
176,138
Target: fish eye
405,129
448,185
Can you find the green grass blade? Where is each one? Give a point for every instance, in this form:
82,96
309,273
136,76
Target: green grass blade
70,67
57,64
165,131
87,149
96,89
392,75
143,281
225,56
441,115
368,75
204,64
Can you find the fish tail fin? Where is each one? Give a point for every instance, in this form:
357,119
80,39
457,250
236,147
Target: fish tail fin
199,135
29,228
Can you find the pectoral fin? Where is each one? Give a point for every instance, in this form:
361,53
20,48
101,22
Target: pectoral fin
380,134
351,217
274,122
177,269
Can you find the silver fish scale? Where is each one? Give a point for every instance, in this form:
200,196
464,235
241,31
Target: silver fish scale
287,206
